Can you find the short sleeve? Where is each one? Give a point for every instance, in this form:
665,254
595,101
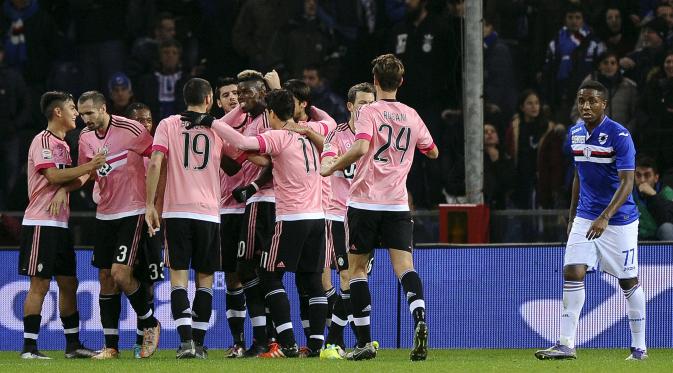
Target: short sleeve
330,149
142,144
320,127
273,142
424,143
42,156
625,151
83,153
160,143
364,124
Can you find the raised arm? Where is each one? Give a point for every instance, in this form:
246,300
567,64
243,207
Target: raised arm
235,138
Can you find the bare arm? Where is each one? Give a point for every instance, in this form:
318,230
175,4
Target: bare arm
574,198
153,176
353,154
317,139
258,159
433,153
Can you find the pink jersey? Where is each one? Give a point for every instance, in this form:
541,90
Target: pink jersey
322,123
259,125
193,169
228,204
295,172
46,151
337,143
121,180
393,130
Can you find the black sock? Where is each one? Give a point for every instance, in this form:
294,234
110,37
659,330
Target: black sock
202,308
71,330
361,301
150,304
236,314
332,296
138,300
303,304
31,328
254,299
110,311
181,313
279,306
335,335
317,304
411,283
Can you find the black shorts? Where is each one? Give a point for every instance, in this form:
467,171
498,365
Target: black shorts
337,250
368,229
257,229
46,252
192,243
297,246
230,233
149,265
118,241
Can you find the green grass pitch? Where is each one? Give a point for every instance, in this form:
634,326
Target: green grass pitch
387,361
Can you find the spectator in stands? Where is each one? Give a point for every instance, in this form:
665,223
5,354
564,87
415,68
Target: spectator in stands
522,140
654,200
552,166
322,96
304,40
498,170
162,89
120,94
617,33
15,116
100,39
570,57
639,64
499,84
664,10
145,51
622,92
256,25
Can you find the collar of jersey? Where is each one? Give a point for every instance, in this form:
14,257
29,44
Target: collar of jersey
584,124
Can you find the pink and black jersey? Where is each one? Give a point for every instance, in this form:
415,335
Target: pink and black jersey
295,172
393,130
337,143
228,204
121,180
46,151
258,125
193,169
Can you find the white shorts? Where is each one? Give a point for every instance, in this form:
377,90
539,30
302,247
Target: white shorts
614,252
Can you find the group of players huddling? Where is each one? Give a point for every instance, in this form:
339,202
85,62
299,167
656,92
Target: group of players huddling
274,186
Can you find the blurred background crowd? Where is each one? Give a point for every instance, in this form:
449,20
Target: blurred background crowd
536,54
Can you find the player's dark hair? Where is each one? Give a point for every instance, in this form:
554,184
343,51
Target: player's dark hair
596,86
136,106
170,43
195,91
52,99
223,82
360,87
388,71
300,90
161,17
281,102
645,161
571,8
97,98
604,56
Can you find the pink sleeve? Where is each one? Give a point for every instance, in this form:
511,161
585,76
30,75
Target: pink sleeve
320,127
273,142
319,115
329,149
234,118
142,144
232,136
161,138
83,155
424,143
364,125
43,158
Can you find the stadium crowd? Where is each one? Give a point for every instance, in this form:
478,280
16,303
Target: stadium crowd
539,51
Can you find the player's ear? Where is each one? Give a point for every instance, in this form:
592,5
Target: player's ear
401,82
350,106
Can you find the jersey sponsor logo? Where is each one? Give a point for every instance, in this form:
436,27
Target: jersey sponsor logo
280,265
46,154
579,139
574,131
625,134
602,138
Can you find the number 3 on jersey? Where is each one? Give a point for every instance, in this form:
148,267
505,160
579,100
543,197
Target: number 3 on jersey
200,146
401,142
